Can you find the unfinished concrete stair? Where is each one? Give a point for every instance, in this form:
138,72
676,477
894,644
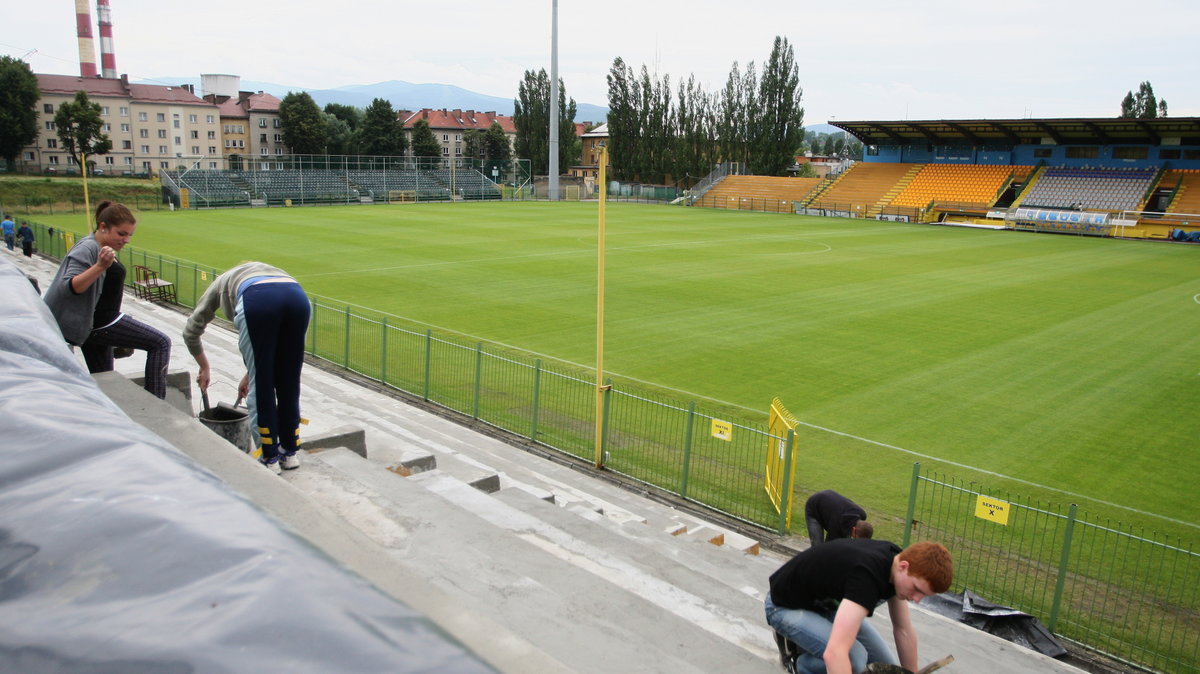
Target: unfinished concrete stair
529,573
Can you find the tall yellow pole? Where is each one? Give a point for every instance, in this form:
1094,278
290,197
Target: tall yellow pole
600,312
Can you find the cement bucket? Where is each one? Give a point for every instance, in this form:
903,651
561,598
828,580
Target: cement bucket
230,423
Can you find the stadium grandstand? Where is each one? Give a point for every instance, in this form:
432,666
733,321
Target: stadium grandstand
301,182
1137,178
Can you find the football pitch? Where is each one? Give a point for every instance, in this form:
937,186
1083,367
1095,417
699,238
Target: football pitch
1061,368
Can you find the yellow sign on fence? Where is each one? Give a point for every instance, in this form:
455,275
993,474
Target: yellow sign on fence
993,510
722,430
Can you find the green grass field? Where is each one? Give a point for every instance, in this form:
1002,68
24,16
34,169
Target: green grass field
1060,367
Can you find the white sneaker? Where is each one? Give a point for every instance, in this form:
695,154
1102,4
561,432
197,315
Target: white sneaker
290,461
272,466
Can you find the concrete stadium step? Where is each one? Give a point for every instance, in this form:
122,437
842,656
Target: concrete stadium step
418,430
531,575
735,582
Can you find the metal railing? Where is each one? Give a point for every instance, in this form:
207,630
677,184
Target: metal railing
1129,594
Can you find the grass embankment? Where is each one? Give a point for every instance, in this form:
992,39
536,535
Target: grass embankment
27,195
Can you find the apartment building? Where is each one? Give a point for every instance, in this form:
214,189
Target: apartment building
251,130
450,125
152,127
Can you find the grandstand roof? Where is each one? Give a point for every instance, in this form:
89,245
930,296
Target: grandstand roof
1096,131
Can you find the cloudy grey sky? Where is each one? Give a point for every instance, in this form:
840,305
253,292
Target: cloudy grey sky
870,59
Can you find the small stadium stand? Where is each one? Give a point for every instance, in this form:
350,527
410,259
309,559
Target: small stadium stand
758,193
1136,178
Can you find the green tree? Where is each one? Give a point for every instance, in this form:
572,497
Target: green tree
1144,104
424,141
347,113
304,127
495,143
80,129
624,130
381,133
778,125
18,108
473,143
531,116
342,139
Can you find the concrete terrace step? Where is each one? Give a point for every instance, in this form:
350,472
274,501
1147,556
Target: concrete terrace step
531,576
734,582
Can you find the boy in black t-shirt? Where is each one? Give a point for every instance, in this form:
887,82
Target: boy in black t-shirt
820,599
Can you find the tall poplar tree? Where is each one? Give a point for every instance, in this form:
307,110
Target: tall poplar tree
778,125
531,116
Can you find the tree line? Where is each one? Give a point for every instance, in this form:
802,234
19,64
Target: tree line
658,134
375,130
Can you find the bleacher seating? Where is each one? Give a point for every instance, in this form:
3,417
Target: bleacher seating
964,184
1097,189
382,184
466,183
1187,196
210,188
863,186
308,185
758,193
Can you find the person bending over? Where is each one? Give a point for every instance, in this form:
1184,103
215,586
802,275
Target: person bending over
830,515
821,598
271,312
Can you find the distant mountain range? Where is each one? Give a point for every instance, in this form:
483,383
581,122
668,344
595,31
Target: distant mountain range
402,95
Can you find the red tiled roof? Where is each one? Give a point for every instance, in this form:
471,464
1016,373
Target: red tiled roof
69,84
262,102
97,87
458,119
231,108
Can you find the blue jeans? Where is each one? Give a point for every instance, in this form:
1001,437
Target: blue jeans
810,631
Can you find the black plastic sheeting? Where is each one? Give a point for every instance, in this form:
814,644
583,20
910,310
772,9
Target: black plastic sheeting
118,554
1007,623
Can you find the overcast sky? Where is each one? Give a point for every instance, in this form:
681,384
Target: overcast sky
863,60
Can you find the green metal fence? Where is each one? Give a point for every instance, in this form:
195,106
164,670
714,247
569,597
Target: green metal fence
656,441
1130,594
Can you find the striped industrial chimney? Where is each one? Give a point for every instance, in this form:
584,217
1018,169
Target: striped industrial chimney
108,58
83,28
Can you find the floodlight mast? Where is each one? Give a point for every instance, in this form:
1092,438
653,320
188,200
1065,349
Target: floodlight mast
554,101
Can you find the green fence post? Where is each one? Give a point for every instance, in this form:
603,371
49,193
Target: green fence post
687,448
383,351
428,359
912,503
478,378
1062,567
537,388
346,338
785,492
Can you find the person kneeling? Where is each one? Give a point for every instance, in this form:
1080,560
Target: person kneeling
821,598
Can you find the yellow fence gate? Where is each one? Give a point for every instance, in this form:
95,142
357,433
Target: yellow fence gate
781,462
